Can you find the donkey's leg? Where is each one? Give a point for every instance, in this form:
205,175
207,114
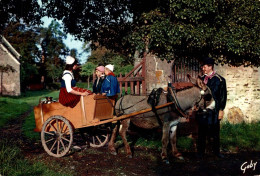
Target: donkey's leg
165,140
122,131
111,144
173,140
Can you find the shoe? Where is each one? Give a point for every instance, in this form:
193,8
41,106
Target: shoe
219,155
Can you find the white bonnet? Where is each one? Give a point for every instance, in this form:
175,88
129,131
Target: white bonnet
70,60
110,67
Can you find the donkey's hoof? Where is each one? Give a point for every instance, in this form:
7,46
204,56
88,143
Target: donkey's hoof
113,153
180,157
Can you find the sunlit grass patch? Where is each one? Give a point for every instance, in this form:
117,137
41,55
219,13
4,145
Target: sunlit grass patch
240,136
10,109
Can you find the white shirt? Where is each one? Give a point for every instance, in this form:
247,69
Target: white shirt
67,78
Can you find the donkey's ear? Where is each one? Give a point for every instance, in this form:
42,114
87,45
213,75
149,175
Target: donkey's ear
201,84
192,80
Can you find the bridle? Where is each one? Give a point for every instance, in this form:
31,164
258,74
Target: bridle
172,91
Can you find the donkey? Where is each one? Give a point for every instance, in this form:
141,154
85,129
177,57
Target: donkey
167,117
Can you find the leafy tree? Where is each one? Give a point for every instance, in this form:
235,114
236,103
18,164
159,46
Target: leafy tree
23,39
52,48
225,29
88,70
104,56
12,11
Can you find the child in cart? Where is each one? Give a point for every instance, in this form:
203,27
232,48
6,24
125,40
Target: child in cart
69,93
110,86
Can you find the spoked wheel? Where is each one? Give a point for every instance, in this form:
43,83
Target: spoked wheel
98,137
57,136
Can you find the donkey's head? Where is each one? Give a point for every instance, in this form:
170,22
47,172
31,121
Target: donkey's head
207,100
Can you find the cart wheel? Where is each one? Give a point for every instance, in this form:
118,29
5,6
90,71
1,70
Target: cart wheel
57,136
99,137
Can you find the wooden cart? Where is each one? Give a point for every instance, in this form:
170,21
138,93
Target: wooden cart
57,122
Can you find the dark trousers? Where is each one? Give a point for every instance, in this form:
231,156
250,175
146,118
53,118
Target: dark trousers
208,131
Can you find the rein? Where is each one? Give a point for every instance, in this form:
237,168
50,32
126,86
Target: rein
176,102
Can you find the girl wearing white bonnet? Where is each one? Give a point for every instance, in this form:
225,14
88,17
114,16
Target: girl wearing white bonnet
69,93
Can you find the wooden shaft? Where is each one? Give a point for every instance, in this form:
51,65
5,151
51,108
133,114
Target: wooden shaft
115,118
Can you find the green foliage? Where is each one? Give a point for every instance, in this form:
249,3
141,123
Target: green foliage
23,39
88,69
52,48
16,11
227,30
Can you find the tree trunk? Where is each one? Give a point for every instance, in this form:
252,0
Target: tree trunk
88,81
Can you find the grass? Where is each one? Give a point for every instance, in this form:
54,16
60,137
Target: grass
233,138
10,109
11,160
240,137
13,163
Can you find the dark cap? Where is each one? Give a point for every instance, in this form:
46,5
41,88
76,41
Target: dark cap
208,61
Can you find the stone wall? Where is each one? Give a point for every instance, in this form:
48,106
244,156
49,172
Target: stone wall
11,80
157,73
243,86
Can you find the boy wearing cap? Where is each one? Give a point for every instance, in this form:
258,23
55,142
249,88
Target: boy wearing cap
100,72
69,93
110,86
209,123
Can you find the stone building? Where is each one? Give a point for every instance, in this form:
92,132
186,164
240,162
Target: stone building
10,79
243,86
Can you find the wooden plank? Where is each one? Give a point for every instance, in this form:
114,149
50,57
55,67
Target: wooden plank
133,70
129,79
138,87
182,85
132,87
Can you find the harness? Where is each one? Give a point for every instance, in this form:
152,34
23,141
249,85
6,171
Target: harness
122,110
153,100
172,91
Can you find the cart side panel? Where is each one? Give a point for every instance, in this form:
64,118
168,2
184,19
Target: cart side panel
38,119
88,109
104,108
81,115
73,115
43,111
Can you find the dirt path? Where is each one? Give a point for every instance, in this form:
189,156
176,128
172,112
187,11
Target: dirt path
97,161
